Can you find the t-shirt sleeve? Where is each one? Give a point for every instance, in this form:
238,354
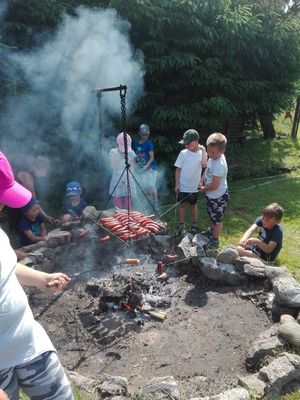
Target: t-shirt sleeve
150,146
218,169
258,221
179,161
24,225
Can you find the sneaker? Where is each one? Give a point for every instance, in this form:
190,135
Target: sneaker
209,232
194,229
180,230
213,243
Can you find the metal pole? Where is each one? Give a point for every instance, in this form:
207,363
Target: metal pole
100,121
296,119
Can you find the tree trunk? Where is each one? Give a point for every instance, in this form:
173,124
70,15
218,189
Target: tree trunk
266,123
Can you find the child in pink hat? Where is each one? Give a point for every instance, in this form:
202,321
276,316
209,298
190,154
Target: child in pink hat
120,190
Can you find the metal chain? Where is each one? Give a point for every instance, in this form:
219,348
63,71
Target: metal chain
124,118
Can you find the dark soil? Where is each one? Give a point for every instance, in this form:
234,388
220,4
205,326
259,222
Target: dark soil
202,343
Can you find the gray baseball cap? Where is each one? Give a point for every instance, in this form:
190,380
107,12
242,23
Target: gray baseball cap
189,136
144,129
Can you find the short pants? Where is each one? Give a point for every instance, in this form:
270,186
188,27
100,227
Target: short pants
191,198
216,208
43,378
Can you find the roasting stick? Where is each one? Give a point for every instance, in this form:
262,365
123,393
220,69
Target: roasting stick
128,261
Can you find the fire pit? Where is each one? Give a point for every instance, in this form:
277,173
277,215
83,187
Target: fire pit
155,317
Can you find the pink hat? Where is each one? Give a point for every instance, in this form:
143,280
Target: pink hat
12,193
120,142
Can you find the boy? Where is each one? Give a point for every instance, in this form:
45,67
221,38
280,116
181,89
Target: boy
74,204
189,165
215,186
269,241
32,227
146,163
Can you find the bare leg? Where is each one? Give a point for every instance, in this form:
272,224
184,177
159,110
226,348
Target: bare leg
217,230
247,253
194,212
181,212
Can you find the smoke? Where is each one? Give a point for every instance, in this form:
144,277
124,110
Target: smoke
59,116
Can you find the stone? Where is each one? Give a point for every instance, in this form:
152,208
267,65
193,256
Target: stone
26,261
232,276
281,372
287,291
114,385
253,384
254,262
200,240
261,348
238,393
81,381
275,272
91,213
298,318
33,247
212,253
276,310
157,301
57,238
188,249
254,271
289,329
164,387
220,272
228,255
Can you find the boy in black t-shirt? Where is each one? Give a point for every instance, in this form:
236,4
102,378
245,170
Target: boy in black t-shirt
32,227
269,241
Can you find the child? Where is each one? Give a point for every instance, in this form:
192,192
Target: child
215,186
269,241
73,205
146,163
119,189
189,165
32,227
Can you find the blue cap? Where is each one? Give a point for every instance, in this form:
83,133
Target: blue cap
31,203
73,189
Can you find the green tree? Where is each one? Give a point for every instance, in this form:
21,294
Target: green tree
210,63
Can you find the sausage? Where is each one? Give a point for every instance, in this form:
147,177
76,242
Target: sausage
104,238
172,256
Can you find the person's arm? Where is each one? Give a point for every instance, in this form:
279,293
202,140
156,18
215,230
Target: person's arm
249,232
34,239
204,156
212,186
151,155
26,180
265,247
177,178
31,277
43,230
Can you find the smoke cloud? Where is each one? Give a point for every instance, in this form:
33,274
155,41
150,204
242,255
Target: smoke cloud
91,50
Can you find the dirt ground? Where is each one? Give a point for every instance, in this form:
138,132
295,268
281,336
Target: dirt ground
202,343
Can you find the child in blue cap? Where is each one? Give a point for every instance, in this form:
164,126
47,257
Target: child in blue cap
74,204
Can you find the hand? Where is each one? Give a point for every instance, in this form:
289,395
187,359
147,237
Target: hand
51,220
200,147
202,189
242,242
252,242
176,189
57,281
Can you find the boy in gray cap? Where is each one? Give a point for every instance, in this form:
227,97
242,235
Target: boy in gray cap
189,164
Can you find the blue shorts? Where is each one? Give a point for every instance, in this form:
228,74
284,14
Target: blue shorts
216,208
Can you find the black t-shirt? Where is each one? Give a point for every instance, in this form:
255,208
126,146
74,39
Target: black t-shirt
34,226
270,235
